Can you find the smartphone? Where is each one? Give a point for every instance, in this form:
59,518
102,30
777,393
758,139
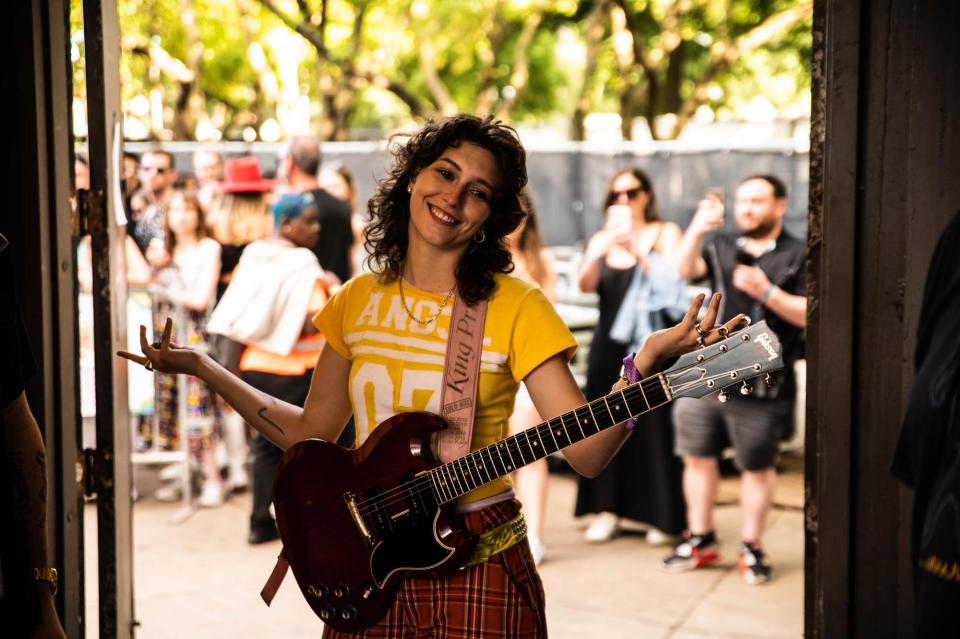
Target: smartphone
619,219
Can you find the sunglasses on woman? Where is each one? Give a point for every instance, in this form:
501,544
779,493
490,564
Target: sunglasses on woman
630,193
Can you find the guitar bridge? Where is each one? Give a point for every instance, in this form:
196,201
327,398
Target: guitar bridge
358,521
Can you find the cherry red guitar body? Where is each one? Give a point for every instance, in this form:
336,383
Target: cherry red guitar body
350,534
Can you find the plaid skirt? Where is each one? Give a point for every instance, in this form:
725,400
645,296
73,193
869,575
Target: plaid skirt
502,597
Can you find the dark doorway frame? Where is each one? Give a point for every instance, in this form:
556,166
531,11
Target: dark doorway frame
37,181
885,178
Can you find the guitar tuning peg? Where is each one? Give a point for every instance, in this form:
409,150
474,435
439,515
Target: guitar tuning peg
770,380
723,396
746,389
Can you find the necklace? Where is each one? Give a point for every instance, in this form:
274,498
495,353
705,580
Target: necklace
424,322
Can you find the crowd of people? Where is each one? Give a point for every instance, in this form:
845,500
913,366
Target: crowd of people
287,287
204,241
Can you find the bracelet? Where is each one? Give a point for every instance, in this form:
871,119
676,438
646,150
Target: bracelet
48,575
771,289
629,370
630,373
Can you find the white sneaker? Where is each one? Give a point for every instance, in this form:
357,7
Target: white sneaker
220,455
537,549
212,494
171,491
656,537
238,480
604,528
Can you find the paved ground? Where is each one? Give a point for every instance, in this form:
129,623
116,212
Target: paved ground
201,579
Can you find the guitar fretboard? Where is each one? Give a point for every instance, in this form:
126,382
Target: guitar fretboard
460,476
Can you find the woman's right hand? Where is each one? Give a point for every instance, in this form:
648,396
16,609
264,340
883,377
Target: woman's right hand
164,356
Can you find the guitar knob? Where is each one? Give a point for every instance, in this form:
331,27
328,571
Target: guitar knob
319,592
348,613
746,389
723,396
327,614
341,591
770,380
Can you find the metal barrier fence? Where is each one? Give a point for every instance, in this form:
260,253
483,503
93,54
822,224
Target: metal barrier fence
568,180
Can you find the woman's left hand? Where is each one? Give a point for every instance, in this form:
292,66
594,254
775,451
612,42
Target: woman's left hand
164,356
685,336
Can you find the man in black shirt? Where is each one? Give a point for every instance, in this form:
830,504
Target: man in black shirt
299,167
148,206
27,581
760,272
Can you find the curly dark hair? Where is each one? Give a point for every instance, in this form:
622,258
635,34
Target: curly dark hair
387,235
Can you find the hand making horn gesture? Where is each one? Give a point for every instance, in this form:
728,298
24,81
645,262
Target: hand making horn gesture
688,335
163,356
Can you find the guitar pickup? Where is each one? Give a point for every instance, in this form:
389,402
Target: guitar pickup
358,520
377,511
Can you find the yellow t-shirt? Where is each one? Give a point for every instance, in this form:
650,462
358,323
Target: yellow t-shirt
397,365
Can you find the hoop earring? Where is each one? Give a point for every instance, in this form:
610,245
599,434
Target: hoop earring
480,237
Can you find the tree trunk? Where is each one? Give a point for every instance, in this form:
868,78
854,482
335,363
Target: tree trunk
650,106
628,110
189,106
594,31
521,72
670,100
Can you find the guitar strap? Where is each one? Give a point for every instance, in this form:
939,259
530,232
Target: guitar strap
461,374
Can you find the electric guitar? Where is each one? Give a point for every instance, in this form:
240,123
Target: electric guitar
354,523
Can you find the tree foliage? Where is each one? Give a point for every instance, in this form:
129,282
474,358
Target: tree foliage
205,68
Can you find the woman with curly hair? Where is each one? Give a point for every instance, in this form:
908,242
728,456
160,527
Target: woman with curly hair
439,223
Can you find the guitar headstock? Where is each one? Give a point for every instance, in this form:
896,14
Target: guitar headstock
749,352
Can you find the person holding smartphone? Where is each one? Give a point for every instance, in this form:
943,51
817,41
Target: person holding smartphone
643,483
759,270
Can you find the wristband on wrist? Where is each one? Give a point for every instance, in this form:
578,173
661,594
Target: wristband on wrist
771,289
630,373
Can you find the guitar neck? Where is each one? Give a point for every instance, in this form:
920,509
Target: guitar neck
462,475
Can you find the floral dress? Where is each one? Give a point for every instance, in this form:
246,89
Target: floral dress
201,414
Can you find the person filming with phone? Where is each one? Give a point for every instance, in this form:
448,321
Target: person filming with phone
759,270
630,264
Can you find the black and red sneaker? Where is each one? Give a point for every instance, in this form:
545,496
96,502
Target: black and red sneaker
753,564
695,551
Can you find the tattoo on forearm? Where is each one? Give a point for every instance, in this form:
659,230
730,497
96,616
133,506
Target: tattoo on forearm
41,460
262,413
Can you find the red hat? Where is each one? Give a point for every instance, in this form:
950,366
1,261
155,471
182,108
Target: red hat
242,175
